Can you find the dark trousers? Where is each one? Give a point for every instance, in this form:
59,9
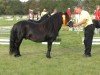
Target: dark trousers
88,36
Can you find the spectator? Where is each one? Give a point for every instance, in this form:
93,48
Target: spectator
97,19
68,11
85,21
97,13
54,11
30,16
44,12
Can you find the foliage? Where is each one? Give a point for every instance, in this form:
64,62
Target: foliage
90,5
17,7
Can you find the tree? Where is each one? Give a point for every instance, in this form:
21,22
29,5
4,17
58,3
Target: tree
17,7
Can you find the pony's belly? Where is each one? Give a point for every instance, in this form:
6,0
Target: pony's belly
37,38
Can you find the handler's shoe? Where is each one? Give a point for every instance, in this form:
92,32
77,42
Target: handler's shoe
87,55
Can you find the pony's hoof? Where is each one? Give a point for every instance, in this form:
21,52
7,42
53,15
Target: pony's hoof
48,56
18,55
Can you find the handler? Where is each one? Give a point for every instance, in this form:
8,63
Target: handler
86,21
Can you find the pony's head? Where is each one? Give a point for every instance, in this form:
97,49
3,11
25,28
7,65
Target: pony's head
65,18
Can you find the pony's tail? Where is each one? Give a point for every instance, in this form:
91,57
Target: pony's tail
12,41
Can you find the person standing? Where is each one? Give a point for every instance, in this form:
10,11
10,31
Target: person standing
54,11
43,12
96,19
30,16
97,13
85,21
68,11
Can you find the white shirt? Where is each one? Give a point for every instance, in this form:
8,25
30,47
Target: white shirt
31,16
77,17
85,15
43,13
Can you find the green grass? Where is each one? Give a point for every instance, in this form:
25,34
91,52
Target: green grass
67,58
5,22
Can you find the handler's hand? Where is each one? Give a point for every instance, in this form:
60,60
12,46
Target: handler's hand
75,25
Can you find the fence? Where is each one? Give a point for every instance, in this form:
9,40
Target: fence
96,40
4,34
5,31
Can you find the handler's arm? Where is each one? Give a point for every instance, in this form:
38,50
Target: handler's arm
80,23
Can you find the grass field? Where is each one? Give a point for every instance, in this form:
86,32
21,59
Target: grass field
67,58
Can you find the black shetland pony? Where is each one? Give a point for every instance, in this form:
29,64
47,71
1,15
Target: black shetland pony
46,30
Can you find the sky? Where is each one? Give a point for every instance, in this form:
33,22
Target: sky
23,0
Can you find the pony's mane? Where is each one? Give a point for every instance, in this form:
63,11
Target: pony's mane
55,16
51,18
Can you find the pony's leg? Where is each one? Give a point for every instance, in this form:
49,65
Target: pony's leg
17,51
49,50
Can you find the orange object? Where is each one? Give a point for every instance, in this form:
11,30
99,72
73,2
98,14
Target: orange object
64,20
